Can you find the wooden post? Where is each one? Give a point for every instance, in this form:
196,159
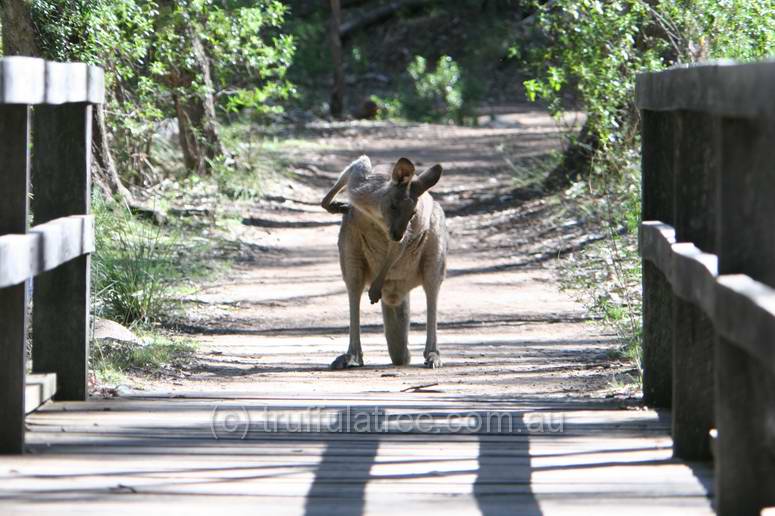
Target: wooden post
337,93
14,188
61,186
745,389
657,147
696,161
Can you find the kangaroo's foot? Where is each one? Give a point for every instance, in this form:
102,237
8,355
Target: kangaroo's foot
403,359
433,360
347,361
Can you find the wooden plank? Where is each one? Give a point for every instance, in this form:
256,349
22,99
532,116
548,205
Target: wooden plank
655,241
66,82
603,469
23,80
62,185
746,316
697,159
722,88
14,212
658,131
690,271
39,389
745,384
693,275
162,447
32,81
44,247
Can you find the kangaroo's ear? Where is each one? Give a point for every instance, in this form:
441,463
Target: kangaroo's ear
426,180
403,171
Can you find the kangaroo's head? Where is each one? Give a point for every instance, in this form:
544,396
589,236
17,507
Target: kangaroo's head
400,203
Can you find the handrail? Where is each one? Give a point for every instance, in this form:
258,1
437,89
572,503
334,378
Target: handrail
44,247
31,81
721,88
53,256
708,249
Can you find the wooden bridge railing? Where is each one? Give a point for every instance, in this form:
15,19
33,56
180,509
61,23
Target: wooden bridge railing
708,245
56,250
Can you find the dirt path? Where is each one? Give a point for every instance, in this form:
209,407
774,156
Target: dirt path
506,329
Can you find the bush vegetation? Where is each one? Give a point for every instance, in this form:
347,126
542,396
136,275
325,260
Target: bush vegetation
585,55
133,267
190,60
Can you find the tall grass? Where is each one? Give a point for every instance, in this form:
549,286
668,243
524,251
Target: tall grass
132,267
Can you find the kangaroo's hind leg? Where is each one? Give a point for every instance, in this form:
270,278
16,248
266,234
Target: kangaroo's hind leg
353,271
396,320
431,353
434,268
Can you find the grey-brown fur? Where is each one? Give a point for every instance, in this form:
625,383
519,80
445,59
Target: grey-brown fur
393,238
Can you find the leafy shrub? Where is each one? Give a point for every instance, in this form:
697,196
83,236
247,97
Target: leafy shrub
151,68
389,108
435,95
594,49
132,267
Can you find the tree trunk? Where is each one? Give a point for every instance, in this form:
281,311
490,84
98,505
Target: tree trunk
104,168
209,123
19,38
189,113
377,15
337,94
197,120
576,162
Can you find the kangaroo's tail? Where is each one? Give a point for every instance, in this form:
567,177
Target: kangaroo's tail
328,201
396,321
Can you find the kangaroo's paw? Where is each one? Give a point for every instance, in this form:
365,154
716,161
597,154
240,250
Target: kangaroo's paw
338,207
375,293
347,361
433,360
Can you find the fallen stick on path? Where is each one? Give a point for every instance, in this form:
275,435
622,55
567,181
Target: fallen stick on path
418,388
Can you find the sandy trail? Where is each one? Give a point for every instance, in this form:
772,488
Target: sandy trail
506,329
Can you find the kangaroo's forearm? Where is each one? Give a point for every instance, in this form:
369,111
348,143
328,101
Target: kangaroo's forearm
394,252
331,206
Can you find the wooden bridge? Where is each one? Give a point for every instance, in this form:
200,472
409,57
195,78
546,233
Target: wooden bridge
708,330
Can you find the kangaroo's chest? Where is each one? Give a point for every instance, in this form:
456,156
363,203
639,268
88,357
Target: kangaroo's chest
375,253
375,247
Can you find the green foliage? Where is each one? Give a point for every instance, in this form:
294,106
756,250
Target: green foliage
248,59
594,49
132,267
736,29
146,49
436,95
390,108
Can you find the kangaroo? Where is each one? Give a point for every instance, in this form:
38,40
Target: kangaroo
393,238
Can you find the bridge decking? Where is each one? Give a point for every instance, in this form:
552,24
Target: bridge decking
146,455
